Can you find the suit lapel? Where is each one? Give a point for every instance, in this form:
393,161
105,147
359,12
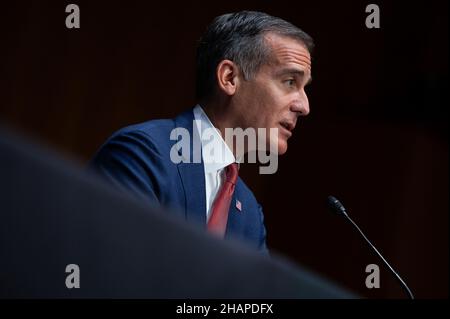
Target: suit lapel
192,174
193,179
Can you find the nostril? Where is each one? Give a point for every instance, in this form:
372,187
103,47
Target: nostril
304,110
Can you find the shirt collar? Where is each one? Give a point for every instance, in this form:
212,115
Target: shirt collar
215,152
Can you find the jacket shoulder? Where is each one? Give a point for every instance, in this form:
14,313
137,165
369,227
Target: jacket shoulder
157,131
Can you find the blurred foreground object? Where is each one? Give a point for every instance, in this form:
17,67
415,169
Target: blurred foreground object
54,214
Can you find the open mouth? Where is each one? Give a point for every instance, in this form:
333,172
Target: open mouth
287,126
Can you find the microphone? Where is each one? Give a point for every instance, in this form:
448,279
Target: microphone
336,206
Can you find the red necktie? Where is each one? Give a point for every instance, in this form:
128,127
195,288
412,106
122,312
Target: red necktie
217,222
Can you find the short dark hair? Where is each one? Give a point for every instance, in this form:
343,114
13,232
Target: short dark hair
239,37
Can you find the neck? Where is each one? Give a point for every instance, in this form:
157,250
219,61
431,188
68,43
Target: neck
221,116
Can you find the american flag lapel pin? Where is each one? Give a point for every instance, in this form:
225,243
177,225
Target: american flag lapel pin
238,205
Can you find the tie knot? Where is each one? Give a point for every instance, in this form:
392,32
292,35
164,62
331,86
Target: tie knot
232,173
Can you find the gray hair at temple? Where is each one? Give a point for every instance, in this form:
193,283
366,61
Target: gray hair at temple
239,37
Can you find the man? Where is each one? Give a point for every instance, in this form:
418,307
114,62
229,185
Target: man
252,70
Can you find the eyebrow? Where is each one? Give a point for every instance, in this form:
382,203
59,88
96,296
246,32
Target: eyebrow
294,72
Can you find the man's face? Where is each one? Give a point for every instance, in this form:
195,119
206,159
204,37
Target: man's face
275,97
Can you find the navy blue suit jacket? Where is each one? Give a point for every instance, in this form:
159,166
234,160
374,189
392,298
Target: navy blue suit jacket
137,158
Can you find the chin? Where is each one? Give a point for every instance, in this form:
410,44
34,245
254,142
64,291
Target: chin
281,144
282,147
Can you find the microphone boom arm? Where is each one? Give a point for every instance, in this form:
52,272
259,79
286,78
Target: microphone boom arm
336,206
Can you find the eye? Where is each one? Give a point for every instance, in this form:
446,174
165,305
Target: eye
290,82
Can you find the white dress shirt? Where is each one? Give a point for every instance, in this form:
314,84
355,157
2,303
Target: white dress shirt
216,156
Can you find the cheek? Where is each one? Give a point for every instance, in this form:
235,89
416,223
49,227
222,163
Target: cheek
272,107
265,104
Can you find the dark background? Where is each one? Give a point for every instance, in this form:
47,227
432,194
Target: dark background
376,137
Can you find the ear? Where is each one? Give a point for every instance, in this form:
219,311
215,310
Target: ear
227,77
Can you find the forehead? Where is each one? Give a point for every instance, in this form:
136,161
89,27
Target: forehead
287,51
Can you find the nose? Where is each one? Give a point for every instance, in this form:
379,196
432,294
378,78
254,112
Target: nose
301,105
